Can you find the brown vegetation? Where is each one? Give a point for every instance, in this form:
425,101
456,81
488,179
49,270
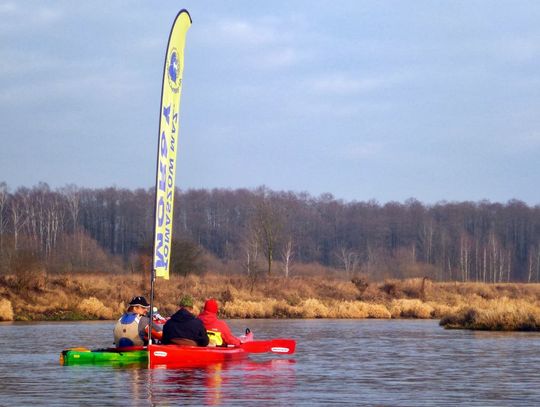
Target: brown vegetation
104,296
501,314
6,311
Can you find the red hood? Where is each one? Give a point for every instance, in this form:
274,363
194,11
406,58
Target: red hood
207,318
211,322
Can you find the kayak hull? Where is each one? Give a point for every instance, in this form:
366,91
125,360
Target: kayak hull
191,356
174,355
118,356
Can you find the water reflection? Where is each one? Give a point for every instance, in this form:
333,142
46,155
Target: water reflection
390,363
234,381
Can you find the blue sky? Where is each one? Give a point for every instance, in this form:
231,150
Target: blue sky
433,100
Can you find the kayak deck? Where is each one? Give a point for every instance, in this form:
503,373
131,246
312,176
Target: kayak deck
80,356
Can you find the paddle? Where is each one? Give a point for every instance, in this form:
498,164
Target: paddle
79,349
283,346
123,349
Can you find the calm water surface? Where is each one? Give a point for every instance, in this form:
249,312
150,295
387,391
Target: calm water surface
359,362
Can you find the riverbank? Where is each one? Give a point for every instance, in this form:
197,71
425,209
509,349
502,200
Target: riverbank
495,315
103,296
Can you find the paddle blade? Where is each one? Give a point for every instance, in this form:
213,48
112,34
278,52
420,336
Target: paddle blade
283,346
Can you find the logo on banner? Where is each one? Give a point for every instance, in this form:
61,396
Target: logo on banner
173,71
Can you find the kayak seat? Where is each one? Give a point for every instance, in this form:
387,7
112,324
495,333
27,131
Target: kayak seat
183,341
124,342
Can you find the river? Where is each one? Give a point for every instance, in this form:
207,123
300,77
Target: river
354,362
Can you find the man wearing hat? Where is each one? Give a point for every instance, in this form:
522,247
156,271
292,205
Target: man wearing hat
183,328
131,328
218,331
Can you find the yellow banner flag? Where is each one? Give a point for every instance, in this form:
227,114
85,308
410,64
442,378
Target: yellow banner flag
168,143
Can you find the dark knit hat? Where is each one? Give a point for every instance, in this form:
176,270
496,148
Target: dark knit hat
139,301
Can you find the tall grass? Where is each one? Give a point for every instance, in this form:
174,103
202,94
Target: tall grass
6,310
502,314
93,306
105,296
410,308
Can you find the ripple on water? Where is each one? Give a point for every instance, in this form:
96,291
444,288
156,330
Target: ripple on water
357,362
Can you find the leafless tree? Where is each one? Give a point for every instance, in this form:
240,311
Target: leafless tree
350,260
73,198
286,256
267,225
17,218
3,215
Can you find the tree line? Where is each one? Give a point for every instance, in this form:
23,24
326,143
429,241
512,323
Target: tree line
265,231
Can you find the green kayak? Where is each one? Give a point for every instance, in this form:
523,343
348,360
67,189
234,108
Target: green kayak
116,356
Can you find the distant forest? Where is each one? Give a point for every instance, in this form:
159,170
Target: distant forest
268,232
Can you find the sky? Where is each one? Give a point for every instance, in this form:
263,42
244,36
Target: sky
365,100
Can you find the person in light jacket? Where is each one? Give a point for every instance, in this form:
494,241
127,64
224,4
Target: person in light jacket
132,327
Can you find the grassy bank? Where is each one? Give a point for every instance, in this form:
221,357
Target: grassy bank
501,314
103,296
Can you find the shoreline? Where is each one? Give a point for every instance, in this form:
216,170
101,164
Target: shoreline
100,296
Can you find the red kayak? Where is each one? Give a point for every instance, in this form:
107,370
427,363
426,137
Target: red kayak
181,355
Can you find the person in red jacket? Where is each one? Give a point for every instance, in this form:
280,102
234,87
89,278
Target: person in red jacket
218,331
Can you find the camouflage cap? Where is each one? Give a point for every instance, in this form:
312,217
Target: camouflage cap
186,301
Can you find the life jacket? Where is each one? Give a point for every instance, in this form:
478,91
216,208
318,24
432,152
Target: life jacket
214,337
126,331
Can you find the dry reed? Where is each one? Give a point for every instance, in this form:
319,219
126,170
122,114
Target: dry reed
94,307
410,308
105,296
6,310
501,314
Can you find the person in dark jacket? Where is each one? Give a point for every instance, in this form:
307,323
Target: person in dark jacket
183,328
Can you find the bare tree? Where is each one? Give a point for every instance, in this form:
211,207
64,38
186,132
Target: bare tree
464,256
530,265
251,250
268,227
3,215
538,263
17,218
350,260
73,197
425,237
287,255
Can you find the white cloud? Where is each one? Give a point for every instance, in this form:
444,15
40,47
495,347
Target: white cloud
265,43
341,84
47,15
18,63
525,142
344,84
277,58
8,8
243,33
107,86
364,150
146,43
16,19
518,49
